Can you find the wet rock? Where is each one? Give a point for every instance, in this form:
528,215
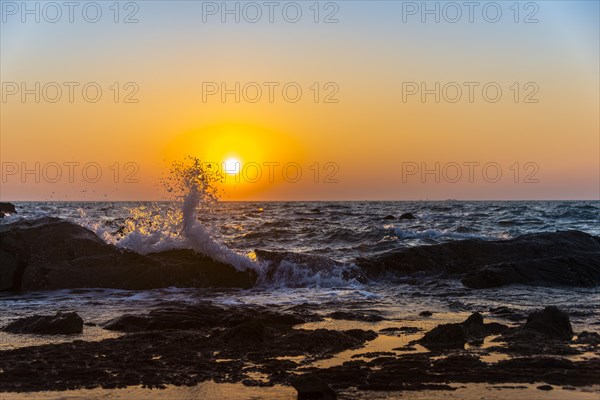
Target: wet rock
402,330
247,335
311,387
7,208
455,336
563,270
200,316
586,337
63,323
549,323
407,216
476,329
374,354
51,253
459,361
320,341
356,316
545,387
389,217
446,336
316,211
425,314
570,258
187,357
507,313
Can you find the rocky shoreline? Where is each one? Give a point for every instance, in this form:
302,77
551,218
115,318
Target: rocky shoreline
177,344
51,253
180,345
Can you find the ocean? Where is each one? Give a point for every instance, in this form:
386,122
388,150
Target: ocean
341,231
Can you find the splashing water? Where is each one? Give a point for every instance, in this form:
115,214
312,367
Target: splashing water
160,227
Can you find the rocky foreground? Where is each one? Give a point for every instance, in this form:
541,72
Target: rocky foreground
51,253
179,344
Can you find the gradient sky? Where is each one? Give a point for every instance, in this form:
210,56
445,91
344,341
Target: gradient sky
366,139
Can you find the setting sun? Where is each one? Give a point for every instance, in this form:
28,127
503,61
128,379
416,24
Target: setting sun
231,166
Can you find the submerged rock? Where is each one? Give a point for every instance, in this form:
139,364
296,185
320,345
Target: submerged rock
7,208
51,253
63,323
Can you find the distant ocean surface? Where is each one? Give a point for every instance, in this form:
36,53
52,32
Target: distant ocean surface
343,231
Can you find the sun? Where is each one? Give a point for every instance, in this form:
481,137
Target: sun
232,166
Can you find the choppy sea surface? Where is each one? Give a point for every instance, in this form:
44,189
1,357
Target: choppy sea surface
342,231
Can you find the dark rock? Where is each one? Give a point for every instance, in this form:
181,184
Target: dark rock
550,323
425,314
191,356
545,387
356,316
407,216
51,253
452,336
570,258
459,361
311,387
388,217
586,337
564,270
320,341
476,329
63,323
537,363
406,330
374,354
507,313
315,210
249,335
199,316
7,208
446,336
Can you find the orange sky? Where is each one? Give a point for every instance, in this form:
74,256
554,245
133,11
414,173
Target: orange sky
356,148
